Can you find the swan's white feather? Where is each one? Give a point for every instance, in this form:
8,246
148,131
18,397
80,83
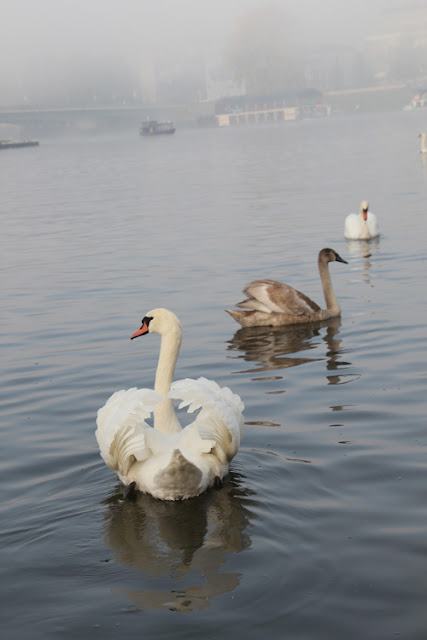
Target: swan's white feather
220,419
121,427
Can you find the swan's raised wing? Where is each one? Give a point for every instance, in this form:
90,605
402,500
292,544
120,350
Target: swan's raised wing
121,428
276,297
219,423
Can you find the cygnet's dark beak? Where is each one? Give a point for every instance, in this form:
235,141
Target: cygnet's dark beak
339,259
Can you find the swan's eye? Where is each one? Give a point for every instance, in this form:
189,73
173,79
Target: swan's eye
147,320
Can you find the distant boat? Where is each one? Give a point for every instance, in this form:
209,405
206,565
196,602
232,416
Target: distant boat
154,128
419,100
16,144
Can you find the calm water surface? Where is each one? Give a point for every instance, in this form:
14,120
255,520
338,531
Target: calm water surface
320,529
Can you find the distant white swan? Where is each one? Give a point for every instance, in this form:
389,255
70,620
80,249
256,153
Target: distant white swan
275,304
168,461
361,226
423,142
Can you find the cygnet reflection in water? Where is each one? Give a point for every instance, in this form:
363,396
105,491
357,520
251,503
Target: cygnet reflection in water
277,347
185,542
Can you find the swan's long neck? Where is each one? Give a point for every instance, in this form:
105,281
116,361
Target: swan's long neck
423,143
165,419
364,231
332,305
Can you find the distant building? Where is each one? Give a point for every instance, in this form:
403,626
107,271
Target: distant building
220,84
337,67
399,51
272,107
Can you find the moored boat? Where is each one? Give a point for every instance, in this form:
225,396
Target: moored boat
154,128
16,144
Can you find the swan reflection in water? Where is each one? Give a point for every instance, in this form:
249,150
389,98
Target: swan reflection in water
180,547
280,347
365,249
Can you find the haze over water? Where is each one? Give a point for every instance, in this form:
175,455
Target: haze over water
108,52
320,529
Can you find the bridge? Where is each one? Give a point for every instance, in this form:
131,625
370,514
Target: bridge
32,120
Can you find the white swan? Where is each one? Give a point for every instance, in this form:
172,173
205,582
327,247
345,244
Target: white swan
362,226
275,304
423,142
168,461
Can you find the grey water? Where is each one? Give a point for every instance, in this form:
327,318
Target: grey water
319,532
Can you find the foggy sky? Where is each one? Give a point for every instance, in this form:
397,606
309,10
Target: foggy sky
44,41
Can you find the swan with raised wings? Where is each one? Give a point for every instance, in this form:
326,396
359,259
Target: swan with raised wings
361,226
168,461
274,304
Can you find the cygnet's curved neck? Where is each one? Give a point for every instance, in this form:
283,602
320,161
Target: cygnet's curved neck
165,419
332,305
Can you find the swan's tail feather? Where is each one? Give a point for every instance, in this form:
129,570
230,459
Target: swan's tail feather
179,479
247,318
121,428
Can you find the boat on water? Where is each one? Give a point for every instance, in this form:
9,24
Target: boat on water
154,128
16,144
419,100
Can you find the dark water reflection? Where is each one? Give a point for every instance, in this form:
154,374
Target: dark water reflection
275,348
186,542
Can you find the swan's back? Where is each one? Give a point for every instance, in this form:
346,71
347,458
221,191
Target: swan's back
271,296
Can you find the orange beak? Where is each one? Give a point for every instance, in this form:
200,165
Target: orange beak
141,331
365,214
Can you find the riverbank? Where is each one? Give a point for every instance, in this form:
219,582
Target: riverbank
37,122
